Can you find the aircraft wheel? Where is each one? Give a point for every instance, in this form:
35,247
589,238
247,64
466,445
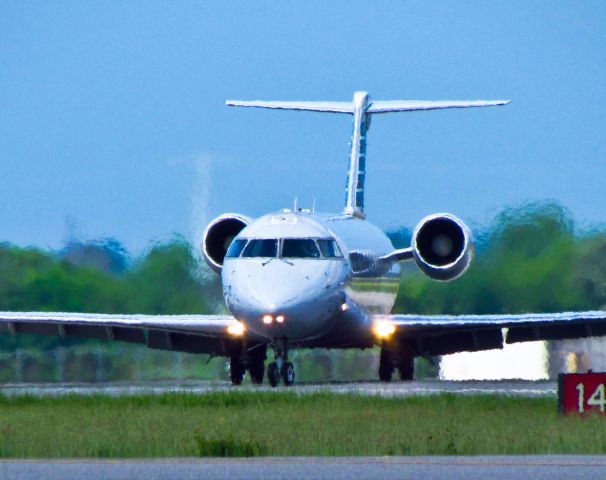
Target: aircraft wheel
257,371
407,368
236,370
273,374
385,366
256,363
288,373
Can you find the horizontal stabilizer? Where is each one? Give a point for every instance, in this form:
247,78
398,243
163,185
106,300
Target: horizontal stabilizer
331,107
386,106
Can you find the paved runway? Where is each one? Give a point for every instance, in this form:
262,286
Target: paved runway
395,389
295,468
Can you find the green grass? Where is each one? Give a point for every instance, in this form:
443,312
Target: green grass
283,423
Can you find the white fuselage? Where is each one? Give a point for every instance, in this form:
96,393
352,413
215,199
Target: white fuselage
311,294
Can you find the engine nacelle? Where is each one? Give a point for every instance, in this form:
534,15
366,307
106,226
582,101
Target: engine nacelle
218,237
442,246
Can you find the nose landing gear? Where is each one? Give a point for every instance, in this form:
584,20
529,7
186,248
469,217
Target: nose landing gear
281,368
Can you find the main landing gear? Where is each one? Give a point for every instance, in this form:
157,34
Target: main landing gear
251,359
281,368
389,361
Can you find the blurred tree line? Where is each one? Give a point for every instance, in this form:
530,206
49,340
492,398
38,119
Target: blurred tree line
99,277
530,258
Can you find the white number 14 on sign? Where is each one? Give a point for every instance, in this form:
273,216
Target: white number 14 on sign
597,399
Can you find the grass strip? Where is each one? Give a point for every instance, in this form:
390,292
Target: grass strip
282,423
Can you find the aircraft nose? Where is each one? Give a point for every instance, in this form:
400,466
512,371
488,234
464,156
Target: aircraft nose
284,298
276,288
273,296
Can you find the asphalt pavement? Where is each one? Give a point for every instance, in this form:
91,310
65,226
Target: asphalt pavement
525,388
303,468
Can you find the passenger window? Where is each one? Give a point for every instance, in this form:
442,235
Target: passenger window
236,247
299,248
261,248
329,249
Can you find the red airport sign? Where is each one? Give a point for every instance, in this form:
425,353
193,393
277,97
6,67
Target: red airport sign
582,393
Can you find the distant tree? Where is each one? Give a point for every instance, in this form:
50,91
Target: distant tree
162,281
107,255
400,237
91,278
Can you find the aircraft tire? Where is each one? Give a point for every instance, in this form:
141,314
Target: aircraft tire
288,373
236,370
385,366
406,368
257,371
256,363
273,374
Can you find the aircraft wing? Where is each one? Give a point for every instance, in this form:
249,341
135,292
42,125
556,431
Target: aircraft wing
445,334
186,333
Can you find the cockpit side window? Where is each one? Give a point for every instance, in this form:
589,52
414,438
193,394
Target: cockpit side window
329,248
261,248
299,248
236,247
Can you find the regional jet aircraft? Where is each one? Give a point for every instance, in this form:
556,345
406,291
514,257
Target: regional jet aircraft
299,279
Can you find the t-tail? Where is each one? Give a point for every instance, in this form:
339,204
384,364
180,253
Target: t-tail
362,107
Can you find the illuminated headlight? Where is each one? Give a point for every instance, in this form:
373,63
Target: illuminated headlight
280,319
236,329
384,328
344,307
267,319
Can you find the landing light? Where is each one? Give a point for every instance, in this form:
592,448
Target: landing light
384,328
267,319
280,319
236,329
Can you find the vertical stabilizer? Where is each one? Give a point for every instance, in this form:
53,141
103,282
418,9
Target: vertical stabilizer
356,170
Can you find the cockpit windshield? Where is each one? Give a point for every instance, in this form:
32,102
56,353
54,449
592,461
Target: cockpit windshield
261,248
329,248
299,248
284,248
236,247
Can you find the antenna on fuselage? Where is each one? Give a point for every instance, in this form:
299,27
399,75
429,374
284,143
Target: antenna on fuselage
362,108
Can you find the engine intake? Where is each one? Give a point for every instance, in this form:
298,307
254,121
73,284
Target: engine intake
442,246
218,237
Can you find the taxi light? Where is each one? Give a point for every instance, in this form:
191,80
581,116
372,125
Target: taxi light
267,319
384,328
280,319
236,329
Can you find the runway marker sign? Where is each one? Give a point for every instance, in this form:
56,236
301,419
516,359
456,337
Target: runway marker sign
582,393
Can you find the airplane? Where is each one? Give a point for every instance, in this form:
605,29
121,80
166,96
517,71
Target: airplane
295,278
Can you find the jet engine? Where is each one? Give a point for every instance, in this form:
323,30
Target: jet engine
442,246
218,237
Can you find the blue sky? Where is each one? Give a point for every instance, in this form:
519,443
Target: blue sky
112,119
